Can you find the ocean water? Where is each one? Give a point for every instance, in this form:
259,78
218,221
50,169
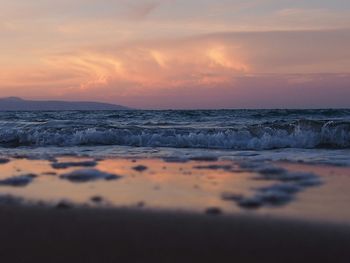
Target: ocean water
321,136
276,162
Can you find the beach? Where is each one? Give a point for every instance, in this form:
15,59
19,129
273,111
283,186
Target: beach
88,219
181,187
85,235
175,131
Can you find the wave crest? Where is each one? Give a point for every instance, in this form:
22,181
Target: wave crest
299,134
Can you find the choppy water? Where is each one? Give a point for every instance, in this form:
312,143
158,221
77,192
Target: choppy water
201,130
246,146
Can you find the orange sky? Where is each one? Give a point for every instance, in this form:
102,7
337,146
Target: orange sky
178,54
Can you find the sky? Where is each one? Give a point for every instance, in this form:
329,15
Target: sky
178,54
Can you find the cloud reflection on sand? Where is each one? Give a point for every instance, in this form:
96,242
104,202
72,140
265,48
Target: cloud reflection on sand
196,185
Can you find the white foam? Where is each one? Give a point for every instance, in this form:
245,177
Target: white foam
250,138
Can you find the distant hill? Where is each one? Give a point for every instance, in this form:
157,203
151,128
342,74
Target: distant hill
18,104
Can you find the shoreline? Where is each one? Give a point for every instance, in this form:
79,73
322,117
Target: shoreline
110,235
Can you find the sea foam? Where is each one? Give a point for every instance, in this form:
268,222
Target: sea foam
251,138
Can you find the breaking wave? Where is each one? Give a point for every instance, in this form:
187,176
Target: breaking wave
306,134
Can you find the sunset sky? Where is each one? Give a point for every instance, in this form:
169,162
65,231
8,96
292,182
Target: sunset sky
178,53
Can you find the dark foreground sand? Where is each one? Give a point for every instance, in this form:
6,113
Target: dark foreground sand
34,234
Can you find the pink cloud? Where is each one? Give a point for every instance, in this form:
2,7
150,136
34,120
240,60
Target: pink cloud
252,69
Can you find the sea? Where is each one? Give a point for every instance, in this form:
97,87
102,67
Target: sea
320,136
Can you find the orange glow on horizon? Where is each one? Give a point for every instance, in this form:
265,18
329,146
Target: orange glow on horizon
139,67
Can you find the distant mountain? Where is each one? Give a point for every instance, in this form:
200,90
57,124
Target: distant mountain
18,104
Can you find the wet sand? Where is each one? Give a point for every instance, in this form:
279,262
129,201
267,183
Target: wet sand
152,210
193,185
34,234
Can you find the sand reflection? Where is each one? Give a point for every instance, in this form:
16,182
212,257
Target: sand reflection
272,188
